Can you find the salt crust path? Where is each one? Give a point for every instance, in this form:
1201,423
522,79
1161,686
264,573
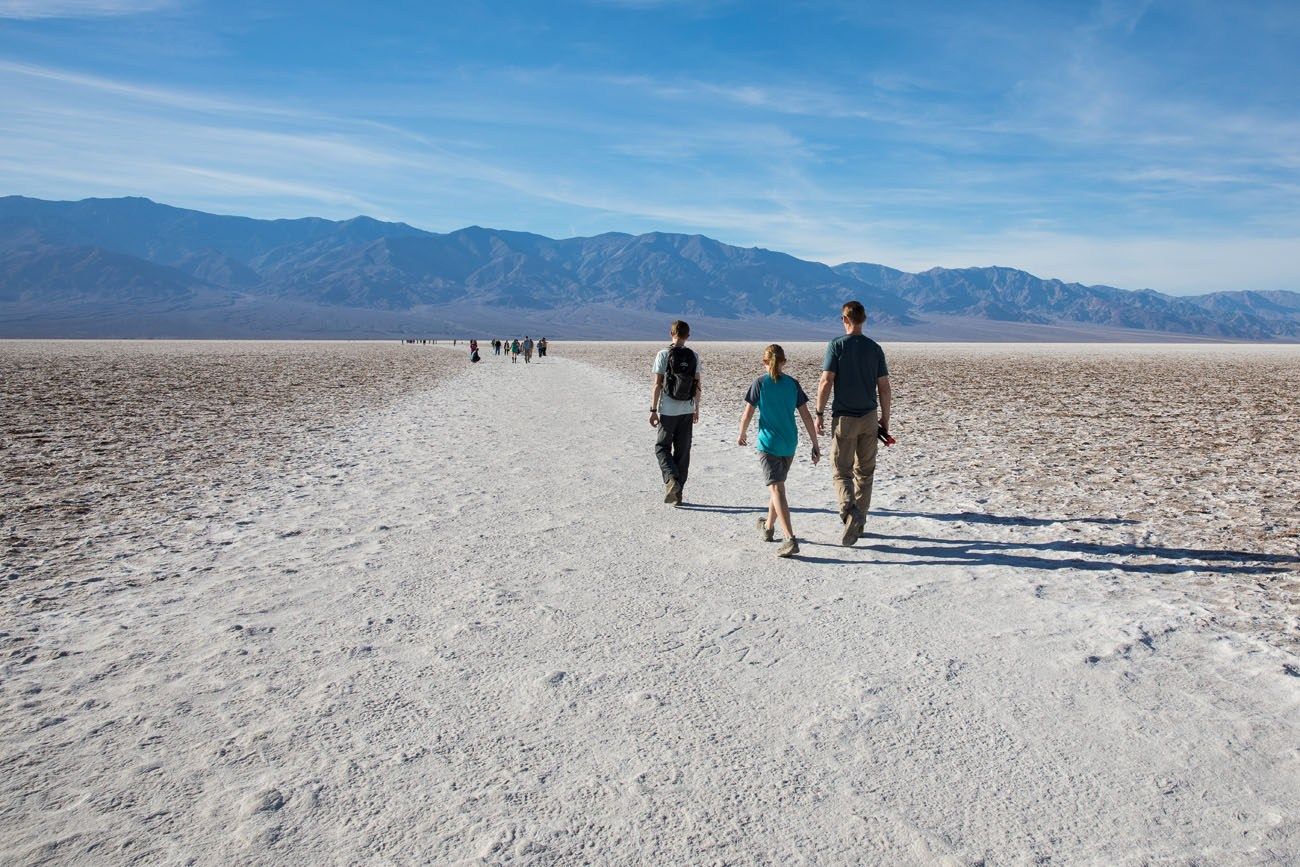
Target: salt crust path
472,632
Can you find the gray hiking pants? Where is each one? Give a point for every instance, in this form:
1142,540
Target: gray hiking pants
673,446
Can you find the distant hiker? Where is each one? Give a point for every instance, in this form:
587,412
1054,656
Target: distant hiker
541,348
855,368
674,409
777,397
514,350
528,349
473,352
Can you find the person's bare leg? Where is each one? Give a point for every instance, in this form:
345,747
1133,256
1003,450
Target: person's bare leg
771,509
782,508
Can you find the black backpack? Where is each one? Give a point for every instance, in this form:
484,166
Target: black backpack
679,381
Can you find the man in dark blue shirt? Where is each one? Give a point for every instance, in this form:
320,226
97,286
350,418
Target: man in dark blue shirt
854,367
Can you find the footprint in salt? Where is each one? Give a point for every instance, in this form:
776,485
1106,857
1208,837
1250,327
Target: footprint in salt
642,701
266,801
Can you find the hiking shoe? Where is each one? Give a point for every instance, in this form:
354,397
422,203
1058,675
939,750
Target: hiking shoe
764,530
788,548
681,491
672,492
852,528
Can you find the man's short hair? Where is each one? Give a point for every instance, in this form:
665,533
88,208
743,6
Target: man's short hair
854,312
679,329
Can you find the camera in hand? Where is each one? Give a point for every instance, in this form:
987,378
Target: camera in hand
882,434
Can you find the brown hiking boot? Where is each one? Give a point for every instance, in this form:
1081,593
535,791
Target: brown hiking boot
673,492
764,530
788,548
853,525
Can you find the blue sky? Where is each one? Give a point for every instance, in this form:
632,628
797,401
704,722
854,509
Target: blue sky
1140,144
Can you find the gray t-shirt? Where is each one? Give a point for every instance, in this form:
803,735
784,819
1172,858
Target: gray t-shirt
670,405
857,362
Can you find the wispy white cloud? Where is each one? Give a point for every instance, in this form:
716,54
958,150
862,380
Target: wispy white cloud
824,101
189,100
34,9
88,135
1122,15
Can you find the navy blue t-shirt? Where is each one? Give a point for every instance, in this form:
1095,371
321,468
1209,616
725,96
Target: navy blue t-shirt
857,362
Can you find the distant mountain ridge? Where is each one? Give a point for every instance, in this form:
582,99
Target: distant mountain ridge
92,267
1006,294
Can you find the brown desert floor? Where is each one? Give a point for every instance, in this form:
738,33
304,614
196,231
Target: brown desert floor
102,439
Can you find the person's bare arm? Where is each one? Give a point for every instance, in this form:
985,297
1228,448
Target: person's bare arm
745,418
823,399
886,400
654,399
806,417
699,391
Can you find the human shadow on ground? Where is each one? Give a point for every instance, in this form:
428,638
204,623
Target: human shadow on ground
830,561
1009,520
1123,550
980,552
740,510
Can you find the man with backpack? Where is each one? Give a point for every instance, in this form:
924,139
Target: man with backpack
854,368
674,409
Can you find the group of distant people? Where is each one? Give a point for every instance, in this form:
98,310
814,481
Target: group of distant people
513,348
853,371
516,347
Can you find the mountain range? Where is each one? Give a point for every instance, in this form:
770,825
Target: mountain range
131,267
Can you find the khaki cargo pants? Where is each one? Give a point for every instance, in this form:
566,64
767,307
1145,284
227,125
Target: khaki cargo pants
853,455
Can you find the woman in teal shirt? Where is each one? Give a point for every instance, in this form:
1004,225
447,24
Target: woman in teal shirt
777,397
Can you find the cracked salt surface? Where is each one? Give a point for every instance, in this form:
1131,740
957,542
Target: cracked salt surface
460,625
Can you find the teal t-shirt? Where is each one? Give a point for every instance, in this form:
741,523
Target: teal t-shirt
857,362
777,400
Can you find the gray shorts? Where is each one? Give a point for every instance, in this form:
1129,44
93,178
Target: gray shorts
775,467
